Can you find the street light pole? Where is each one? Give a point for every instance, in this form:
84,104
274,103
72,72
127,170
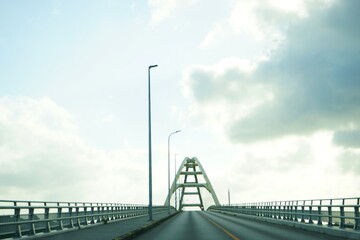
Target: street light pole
229,196
175,183
169,169
150,167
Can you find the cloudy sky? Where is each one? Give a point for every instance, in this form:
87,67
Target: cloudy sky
266,94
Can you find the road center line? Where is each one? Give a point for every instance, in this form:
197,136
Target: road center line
232,236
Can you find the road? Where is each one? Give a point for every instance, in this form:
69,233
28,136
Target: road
105,231
199,225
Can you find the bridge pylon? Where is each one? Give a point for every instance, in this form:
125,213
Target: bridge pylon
191,168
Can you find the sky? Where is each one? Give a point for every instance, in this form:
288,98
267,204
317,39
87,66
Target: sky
266,94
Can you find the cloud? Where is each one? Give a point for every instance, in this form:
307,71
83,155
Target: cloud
310,83
57,8
109,118
41,150
212,36
214,91
348,141
285,168
162,9
264,20
349,161
347,138
270,18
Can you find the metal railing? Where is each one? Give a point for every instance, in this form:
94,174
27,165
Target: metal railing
29,218
339,212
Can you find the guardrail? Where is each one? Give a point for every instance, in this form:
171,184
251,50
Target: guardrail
29,218
339,212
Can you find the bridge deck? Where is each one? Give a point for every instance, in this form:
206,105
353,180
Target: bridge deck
192,225
205,225
106,231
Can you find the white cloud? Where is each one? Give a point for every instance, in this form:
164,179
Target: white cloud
269,170
212,37
265,20
108,119
57,8
307,85
293,116
41,150
162,9
347,138
349,161
293,167
269,18
218,97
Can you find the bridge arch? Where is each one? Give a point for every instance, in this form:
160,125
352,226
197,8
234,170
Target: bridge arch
191,167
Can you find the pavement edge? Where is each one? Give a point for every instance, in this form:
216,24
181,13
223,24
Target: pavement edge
139,231
345,234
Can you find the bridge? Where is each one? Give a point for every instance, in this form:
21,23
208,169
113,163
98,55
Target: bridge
298,219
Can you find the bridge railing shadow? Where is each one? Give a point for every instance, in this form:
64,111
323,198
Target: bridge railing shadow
29,218
339,212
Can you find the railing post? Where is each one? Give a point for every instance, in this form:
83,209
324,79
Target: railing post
330,223
17,219
296,211
319,214
59,210
342,214
260,209
274,210
269,210
85,214
77,208
357,215
112,211
31,218
310,212
279,210
70,215
108,215
121,211
92,214
98,213
101,211
303,212
107,210
117,208
47,213
266,209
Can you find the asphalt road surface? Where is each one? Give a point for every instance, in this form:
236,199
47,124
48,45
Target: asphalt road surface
199,225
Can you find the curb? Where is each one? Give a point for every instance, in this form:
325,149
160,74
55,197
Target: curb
345,234
139,231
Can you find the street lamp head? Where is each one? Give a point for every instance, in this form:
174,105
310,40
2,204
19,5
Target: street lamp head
178,131
152,66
